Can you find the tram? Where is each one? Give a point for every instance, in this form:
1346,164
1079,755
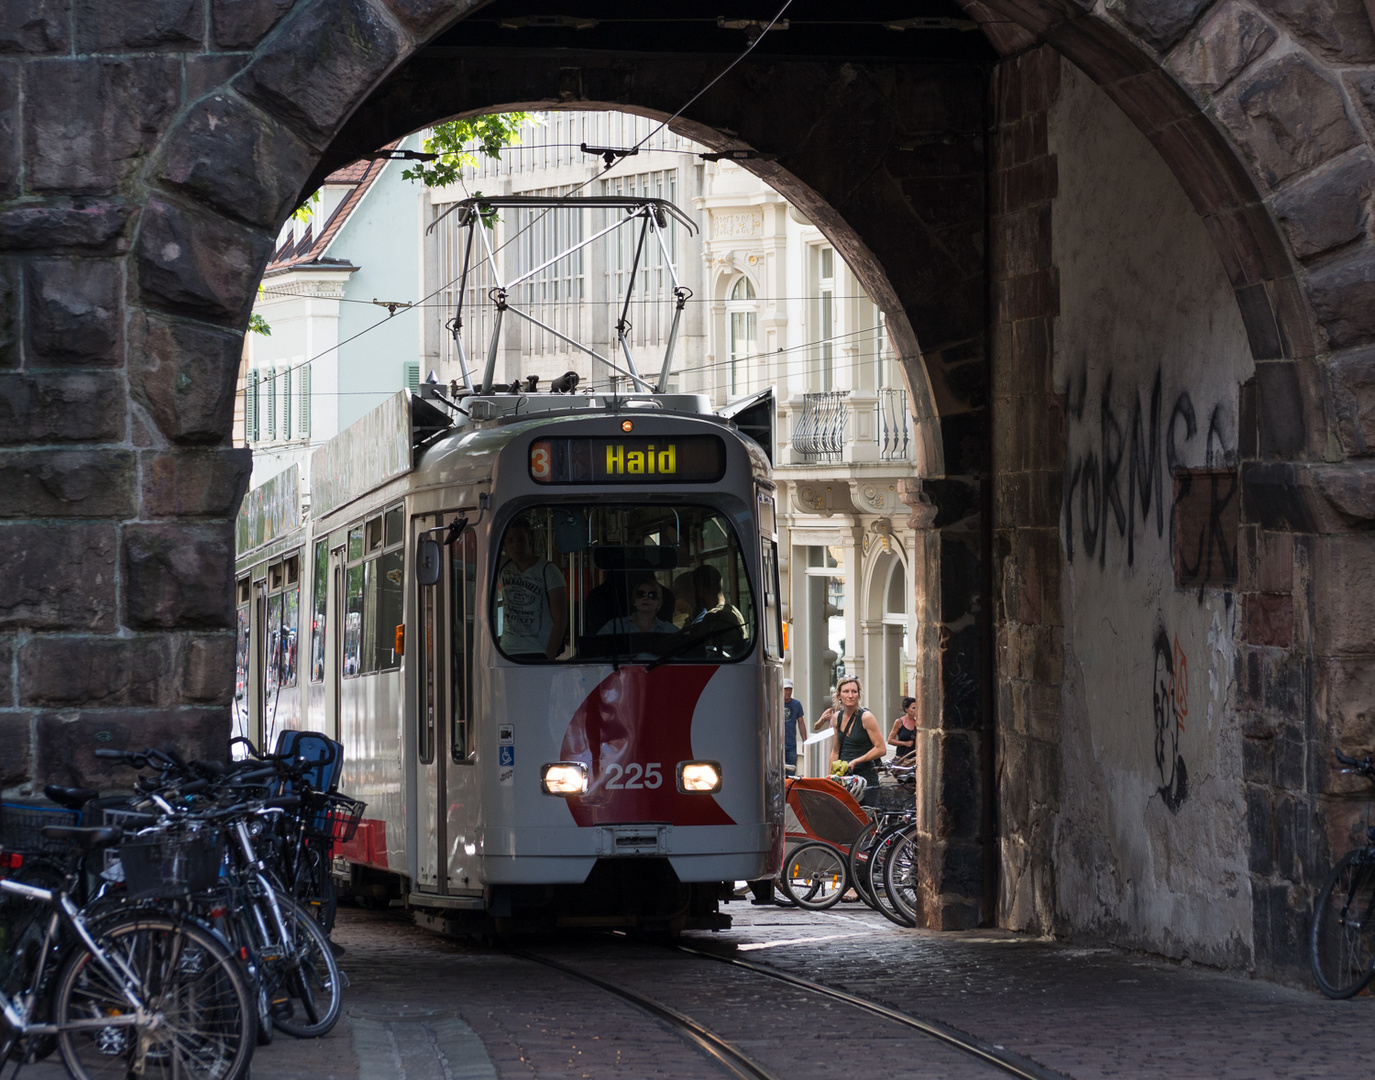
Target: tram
546,629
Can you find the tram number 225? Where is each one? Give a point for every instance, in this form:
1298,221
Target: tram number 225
634,776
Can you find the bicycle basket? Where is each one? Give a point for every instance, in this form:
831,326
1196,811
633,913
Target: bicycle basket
21,828
165,865
333,817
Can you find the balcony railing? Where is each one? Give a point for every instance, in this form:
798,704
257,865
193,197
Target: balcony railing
820,431
894,428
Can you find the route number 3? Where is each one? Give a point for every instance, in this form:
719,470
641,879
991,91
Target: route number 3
539,461
634,777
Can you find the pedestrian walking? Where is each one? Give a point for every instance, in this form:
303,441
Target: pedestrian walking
794,724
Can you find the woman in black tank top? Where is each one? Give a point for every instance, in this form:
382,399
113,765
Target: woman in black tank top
858,738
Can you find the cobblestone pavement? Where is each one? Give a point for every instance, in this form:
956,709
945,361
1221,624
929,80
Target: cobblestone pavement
422,1007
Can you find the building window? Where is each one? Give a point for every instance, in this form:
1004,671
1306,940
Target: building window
743,312
303,404
825,317
286,404
250,408
651,312
554,295
270,393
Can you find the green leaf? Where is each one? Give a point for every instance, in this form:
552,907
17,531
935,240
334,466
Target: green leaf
458,142
258,325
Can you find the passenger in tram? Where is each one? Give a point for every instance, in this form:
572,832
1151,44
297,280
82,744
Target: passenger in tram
534,596
684,604
647,596
714,616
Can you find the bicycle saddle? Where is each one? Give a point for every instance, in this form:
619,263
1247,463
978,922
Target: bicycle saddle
73,798
85,839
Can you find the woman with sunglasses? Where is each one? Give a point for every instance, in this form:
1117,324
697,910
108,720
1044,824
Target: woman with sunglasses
646,597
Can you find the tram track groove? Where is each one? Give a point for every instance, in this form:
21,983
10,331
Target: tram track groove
1008,1061
720,1050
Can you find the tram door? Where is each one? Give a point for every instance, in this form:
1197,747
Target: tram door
444,792
334,643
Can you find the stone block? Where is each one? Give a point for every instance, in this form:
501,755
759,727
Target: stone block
1266,561
7,687
11,355
209,483
1251,249
185,374
150,24
1289,117
209,669
1338,29
9,128
126,104
242,24
1291,757
1323,212
68,738
193,261
1151,100
1098,49
1260,825
1209,170
1258,761
1262,328
179,576
38,26
68,483
226,154
1352,379
1347,492
1159,23
61,670
1293,317
16,748
1343,296
61,407
43,591
1343,583
212,72
423,18
1285,689
73,312
1347,709
64,223
317,68
1228,39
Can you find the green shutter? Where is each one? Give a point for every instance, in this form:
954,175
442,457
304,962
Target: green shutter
413,376
303,404
286,404
270,388
250,408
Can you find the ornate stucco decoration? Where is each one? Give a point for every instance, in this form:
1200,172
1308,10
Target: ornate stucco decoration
876,497
729,226
880,533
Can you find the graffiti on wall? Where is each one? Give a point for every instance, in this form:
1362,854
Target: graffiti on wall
1121,479
1170,705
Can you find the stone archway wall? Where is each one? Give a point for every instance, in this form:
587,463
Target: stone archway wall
1261,111
148,153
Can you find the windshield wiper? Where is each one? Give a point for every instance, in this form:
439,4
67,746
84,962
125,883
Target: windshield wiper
692,642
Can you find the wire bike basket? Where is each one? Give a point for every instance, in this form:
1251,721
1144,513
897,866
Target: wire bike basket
21,828
171,863
332,818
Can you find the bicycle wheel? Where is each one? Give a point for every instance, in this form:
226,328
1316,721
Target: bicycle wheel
308,1001
860,850
203,1016
314,887
1342,937
876,869
815,875
900,876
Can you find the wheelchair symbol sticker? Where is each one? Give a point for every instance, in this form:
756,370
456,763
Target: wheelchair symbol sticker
506,757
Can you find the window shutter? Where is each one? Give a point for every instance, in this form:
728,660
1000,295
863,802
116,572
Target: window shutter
271,395
250,408
413,376
286,404
303,404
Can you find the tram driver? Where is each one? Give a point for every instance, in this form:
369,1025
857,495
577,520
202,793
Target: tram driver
534,595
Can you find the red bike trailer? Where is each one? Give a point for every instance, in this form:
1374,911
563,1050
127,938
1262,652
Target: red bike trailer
820,809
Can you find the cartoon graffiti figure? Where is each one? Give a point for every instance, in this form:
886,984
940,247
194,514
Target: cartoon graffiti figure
1170,698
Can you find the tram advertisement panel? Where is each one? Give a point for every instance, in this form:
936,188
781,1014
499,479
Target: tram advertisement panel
699,459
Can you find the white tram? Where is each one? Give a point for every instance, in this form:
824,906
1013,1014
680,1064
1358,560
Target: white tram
546,629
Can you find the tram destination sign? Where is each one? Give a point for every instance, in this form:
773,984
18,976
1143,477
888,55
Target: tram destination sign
684,459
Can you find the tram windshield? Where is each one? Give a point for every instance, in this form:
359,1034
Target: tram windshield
622,584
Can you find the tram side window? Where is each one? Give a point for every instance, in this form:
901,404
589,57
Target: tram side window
283,609
773,621
319,595
623,583
462,592
373,598
353,619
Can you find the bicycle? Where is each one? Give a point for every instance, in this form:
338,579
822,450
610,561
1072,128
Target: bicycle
136,993
1342,935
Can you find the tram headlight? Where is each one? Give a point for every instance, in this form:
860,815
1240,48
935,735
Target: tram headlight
699,776
563,778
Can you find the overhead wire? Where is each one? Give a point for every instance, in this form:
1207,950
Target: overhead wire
596,176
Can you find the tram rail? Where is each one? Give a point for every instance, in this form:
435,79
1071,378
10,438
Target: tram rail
737,1063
